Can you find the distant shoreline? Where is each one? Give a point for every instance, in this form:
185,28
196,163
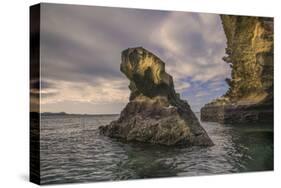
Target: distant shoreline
69,114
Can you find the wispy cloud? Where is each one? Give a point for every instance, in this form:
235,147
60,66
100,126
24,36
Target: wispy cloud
81,48
105,91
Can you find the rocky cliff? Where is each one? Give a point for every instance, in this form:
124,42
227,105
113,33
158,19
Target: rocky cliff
250,55
155,112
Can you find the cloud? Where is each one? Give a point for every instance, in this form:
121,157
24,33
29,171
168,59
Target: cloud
107,91
81,48
195,46
181,86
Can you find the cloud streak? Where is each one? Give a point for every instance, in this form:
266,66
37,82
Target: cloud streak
81,48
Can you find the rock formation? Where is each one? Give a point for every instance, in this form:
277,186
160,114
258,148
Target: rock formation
155,112
250,55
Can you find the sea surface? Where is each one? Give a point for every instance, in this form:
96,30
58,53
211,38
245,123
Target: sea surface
72,150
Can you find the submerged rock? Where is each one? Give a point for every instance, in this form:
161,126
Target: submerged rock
155,112
250,55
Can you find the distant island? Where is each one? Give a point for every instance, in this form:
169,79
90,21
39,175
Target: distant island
69,114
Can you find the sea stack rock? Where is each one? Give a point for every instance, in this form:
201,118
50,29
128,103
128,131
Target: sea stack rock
250,55
155,113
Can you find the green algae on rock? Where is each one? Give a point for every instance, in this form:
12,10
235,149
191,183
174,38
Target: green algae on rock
155,113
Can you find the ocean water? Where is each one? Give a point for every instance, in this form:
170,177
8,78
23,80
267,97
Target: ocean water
73,151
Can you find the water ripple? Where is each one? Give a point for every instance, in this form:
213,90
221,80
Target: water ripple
73,151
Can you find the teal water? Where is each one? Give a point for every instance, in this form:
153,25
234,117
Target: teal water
72,151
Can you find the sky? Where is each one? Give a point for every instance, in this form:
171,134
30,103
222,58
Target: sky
80,55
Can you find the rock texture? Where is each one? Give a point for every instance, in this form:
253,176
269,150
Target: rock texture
155,112
250,55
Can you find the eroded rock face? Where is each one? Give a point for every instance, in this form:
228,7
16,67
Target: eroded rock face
155,113
250,55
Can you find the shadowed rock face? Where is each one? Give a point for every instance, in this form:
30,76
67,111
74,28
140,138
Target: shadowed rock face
155,113
250,55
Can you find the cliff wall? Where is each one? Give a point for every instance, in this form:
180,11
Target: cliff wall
249,53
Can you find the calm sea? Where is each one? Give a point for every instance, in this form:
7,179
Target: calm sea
73,151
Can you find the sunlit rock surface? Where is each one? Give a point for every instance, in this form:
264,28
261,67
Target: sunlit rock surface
155,112
250,55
